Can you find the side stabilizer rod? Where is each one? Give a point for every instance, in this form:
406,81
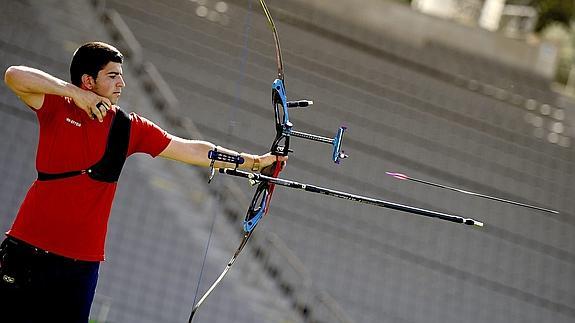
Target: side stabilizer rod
351,197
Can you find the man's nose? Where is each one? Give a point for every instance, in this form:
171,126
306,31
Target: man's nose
122,83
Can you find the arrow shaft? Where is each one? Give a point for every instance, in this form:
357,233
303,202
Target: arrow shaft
494,198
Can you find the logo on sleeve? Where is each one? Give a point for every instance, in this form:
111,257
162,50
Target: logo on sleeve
76,123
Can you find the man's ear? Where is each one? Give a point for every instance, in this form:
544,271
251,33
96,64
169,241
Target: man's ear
88,82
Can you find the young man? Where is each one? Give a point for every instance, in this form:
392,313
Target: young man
50,258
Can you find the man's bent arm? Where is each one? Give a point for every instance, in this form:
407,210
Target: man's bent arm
31,84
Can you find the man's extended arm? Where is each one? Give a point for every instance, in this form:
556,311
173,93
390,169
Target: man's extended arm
195,152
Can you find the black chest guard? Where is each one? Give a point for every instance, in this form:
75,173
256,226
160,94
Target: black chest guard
109,167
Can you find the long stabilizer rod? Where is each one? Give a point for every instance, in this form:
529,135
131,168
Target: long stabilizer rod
351,197
401,176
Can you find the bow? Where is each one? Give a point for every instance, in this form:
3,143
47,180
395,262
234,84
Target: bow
260,203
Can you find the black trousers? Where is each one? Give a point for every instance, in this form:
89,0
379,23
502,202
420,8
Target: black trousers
37,287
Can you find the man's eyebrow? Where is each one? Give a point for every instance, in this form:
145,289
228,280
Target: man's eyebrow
113,73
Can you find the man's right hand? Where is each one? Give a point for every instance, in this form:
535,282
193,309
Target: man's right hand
94,105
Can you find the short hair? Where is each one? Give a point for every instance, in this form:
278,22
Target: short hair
90,58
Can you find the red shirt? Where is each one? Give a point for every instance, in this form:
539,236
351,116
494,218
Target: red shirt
69,216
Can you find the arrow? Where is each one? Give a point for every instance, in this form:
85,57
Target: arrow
404,177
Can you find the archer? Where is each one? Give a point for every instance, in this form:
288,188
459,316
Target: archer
50,259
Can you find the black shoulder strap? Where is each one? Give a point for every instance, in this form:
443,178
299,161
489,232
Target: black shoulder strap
109,167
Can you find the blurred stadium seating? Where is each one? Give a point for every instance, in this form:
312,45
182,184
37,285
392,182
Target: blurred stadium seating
462,121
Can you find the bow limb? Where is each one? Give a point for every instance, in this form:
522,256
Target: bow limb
245,239
272,25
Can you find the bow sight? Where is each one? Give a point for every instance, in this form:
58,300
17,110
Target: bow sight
284,126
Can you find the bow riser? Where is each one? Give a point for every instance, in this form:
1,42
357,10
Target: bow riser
280,146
